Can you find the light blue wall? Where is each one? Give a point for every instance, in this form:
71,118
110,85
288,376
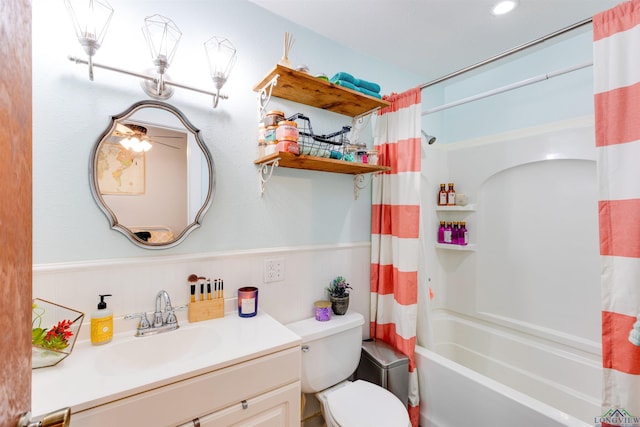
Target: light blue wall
559,98
298,207
70,112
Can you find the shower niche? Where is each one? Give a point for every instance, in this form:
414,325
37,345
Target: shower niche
455,213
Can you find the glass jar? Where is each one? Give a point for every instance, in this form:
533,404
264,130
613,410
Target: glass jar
270,140
270,135
287,131
273,118
262,130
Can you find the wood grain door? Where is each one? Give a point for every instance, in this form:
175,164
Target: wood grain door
15,210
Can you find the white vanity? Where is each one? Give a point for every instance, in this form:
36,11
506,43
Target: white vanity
231,370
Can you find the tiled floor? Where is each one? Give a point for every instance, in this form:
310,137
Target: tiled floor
311,415
315,421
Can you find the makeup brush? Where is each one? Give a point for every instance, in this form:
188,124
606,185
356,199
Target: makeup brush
201,280
193,279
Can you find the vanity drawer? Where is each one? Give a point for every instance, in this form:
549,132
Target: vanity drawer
279,408
195,397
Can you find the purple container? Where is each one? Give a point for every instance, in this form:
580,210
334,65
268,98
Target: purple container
322,310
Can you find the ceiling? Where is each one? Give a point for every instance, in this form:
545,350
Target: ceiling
433,38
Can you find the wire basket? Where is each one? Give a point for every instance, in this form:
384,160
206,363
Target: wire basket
329,146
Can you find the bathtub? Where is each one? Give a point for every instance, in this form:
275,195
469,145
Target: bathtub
525,382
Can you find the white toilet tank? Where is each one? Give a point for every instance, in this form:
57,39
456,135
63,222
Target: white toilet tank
330,350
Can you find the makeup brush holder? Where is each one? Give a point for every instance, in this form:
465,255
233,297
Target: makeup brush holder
205,310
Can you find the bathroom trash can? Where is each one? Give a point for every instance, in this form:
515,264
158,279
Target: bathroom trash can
382,365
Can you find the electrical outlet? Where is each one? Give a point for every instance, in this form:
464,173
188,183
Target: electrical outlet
273,270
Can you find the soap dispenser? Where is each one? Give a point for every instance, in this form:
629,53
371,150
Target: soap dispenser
102,323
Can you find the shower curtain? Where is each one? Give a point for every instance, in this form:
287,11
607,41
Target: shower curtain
395,230
616,58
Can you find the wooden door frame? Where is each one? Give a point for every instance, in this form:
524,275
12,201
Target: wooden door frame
15,210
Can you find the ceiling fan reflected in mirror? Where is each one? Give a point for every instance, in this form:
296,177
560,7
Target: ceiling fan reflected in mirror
139,138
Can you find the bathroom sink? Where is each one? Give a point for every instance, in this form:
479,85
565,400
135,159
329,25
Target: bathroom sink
136,354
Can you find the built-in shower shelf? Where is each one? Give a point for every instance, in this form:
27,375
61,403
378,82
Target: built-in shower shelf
468,248
467,208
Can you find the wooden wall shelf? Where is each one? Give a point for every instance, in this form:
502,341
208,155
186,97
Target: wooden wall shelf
321,164
306,89
303,88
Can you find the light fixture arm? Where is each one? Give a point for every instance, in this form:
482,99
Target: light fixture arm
216,95
90,63
90,22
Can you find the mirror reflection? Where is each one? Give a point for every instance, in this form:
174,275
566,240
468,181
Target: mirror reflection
152,175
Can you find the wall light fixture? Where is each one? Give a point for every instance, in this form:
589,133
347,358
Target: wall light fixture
162,36
91,19
222,56
90,22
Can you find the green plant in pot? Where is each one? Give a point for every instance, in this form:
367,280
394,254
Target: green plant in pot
339,295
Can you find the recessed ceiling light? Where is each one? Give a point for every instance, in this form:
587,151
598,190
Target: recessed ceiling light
504,7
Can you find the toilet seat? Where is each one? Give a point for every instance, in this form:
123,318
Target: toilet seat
363,404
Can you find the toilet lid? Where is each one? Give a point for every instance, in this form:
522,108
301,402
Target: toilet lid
363,404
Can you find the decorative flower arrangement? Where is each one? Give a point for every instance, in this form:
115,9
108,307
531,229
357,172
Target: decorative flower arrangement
339,288
51,345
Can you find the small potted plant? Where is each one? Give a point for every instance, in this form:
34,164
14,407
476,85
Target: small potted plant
54,329
339,295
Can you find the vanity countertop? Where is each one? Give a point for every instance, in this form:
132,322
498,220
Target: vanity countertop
94,375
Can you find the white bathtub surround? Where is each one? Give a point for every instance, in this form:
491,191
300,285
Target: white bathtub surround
556,377
459,396
134,283
524,308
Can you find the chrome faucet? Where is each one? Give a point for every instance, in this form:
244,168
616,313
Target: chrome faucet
159,323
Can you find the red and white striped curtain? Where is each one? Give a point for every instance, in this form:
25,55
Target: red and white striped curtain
395,226
616,55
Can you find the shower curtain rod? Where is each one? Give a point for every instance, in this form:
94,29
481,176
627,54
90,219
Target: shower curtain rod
507,53
509,87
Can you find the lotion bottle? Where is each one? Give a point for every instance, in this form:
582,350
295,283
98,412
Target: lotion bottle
102,323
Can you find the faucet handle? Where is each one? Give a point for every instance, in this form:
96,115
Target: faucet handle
157,319
144,322
171,314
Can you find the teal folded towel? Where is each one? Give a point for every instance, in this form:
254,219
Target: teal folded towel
348,78
346,84
362,90
345,77
368,92
370,86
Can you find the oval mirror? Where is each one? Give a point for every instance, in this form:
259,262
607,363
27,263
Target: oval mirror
152,175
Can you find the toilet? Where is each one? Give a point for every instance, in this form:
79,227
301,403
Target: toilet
330,355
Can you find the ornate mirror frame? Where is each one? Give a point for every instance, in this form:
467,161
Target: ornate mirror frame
179,236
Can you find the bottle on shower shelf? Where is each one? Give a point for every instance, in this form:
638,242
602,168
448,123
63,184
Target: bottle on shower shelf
447,233
454,233
441,232
451,195
442,196
463,234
